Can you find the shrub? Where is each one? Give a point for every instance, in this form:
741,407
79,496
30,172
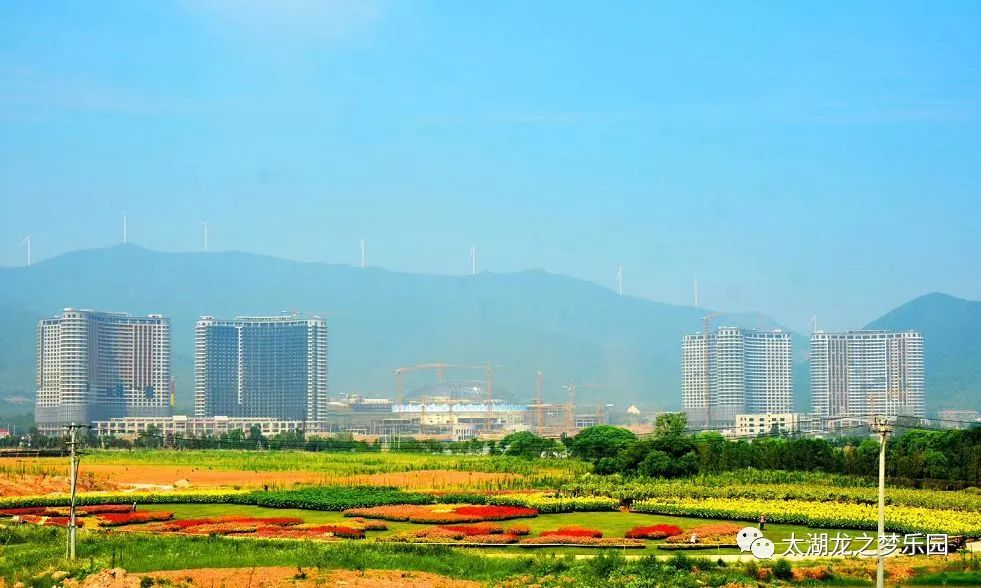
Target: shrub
782,570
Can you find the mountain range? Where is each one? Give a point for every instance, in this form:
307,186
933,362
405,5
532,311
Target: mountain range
570,329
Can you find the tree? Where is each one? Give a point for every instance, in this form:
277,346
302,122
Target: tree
594,443
526,444
670,424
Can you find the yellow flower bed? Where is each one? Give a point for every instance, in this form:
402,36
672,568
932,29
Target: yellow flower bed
901,519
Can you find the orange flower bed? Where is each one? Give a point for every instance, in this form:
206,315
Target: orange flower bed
715,534
518,530
254,521
310,532
370,525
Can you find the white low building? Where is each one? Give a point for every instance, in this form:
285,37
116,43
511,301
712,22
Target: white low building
754,425
186,426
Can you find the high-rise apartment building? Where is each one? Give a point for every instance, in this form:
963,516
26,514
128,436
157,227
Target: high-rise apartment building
736,371
251,367
97,365
860,374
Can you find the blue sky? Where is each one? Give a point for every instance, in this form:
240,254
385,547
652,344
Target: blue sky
799,158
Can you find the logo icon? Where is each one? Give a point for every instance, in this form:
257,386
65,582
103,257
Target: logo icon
745,538
763,548
751,539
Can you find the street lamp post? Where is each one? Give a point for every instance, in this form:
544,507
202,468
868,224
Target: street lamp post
883,427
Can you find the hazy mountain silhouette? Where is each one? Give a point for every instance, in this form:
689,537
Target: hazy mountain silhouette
951,346
571,329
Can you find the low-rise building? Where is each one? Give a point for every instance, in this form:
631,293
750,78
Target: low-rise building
754,425
185,426
957,419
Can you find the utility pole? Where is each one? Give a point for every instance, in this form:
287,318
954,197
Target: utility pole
73,429
883,427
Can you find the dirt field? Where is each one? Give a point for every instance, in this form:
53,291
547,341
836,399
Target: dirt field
274,578
47,476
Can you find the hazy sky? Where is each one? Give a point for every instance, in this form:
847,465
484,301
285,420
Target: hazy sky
799,158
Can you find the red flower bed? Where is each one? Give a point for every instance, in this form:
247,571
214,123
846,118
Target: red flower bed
412,513
654,532
29,510
518,530
441,514
133,518
572,532
470,530
496,513
106,508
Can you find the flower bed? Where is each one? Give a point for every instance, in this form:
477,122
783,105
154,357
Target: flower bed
716,534
518,530
900,519
661,531
27,510
572,532
49,521
496,513
64,511
473,530
441,514
552,503
571,541
449,535
370,525
111,519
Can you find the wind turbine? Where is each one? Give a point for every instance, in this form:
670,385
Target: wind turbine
205,223
27,241
125,231
620,280
362,252
473,259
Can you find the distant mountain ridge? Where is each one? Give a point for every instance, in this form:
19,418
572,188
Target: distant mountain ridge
951,346
573,330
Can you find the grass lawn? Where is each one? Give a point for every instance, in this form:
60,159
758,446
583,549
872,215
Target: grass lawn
613,524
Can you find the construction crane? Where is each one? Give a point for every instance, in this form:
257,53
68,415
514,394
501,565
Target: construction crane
570,407
707,367
538,407
440,369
